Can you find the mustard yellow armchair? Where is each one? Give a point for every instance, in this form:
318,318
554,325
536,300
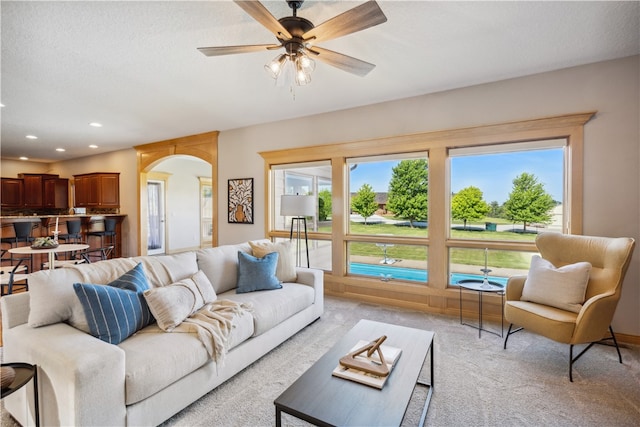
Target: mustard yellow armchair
585,323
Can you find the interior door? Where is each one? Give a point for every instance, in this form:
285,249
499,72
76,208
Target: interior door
156,217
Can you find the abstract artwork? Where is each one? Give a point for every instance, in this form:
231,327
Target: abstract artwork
240,201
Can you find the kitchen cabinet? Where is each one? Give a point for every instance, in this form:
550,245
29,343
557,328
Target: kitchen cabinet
33,186
12,193
56,193
97,190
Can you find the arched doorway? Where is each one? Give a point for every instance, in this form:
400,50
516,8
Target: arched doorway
202,146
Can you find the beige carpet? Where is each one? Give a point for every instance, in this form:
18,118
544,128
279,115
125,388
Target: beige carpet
477,383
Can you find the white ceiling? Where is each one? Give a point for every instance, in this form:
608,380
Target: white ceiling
134,67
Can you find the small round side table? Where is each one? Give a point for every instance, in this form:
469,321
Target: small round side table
481,287
24,373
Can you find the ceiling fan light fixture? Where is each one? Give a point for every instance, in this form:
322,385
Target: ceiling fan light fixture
303,70
306,62
275,66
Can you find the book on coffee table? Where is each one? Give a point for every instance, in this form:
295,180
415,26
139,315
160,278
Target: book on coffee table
390,354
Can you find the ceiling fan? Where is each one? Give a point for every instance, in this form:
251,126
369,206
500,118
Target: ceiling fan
298,37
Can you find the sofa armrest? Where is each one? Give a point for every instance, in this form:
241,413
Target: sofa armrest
314,278
15,309
76,373
309,276
515,284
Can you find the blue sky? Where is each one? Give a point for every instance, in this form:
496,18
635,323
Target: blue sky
492,173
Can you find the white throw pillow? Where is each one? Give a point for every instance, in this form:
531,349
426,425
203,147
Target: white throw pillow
286,268
562,287
173,303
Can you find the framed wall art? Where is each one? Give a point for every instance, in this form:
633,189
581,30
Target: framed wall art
240,196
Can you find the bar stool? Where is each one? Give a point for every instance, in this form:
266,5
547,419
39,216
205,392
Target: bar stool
109,231
22,231
73,234
10,275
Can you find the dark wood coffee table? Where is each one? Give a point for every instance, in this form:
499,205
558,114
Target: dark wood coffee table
324,400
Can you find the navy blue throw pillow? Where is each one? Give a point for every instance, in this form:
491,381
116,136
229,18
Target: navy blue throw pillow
117,310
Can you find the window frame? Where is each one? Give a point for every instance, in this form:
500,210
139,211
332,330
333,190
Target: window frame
436,144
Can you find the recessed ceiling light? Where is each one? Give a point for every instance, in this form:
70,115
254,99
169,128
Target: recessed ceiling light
95,124
31,137
60,149
1,105
93,146
24,158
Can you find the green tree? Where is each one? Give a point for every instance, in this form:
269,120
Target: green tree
408,190
528,201
495,210
468,205
324,204
364,202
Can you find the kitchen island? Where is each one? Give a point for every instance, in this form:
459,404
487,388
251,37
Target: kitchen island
44,225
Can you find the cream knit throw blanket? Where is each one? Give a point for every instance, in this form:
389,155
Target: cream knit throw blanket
213,324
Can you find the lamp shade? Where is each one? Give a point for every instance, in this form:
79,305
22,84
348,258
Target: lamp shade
295,205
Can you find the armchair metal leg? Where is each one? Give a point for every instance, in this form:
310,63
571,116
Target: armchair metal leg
572,359
571,362
613,337
509,332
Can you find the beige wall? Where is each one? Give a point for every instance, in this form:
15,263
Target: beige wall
612,148
612,140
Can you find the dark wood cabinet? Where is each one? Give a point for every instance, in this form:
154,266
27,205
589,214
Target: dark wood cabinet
81,191
56,193
34,190
97,190
12,193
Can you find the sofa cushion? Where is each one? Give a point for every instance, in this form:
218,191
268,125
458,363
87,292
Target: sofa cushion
275,306
117,310
257,274
220,264
173,303
155,359
52,298
562,287
286,269
165,269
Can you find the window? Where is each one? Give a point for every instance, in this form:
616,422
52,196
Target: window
301,179
365,242
206,212
389,261
507,192
307,179
388,195
465,264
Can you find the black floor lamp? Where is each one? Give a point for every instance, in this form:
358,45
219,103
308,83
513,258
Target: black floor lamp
299,208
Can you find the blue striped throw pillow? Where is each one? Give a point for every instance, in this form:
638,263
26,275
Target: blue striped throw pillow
117,310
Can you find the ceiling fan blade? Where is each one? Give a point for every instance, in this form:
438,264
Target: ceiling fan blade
359,18
344,62
263,16
232,50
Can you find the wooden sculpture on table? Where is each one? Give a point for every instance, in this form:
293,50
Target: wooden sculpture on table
370,366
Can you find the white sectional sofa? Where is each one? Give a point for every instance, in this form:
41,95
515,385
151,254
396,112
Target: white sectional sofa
153,374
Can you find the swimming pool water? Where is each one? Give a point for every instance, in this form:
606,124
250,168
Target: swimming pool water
412,274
